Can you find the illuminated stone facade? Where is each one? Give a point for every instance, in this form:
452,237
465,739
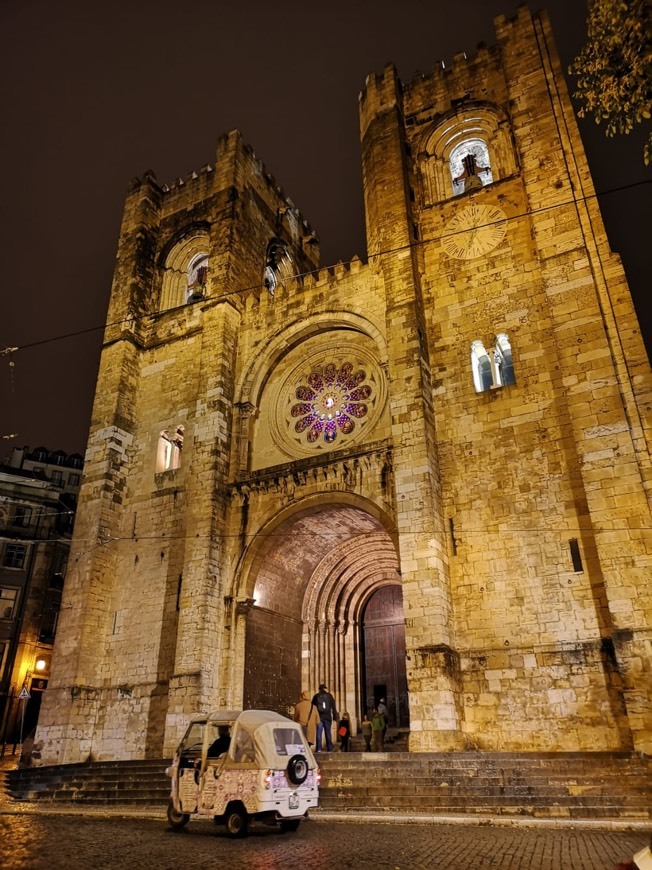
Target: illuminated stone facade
498,475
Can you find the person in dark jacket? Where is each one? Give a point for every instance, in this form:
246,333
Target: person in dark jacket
344,732
221,745
327,712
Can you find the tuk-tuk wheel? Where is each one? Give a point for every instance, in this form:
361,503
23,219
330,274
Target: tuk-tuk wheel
298,769
236,821
289,825
176,819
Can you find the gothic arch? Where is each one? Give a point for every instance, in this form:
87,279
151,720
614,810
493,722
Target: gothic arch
306,579
279,345
485,122
181,260
255,553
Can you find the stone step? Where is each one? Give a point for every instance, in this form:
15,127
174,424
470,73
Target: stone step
572,785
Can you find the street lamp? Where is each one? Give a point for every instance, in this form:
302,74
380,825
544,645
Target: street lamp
40,664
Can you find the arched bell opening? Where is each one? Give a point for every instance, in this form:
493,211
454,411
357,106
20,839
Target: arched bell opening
312,577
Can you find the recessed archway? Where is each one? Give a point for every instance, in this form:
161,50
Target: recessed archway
311,578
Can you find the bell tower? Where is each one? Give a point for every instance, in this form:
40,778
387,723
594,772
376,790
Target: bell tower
520,358
190,256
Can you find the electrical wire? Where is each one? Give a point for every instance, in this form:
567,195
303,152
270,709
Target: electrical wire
298,275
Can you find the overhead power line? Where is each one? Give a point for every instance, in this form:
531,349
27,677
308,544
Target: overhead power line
386,252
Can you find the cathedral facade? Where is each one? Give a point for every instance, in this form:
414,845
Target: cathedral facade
425,477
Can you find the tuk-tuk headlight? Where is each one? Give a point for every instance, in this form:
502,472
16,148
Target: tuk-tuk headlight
268,779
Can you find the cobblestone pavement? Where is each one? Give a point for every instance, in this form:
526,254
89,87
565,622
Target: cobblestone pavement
44,841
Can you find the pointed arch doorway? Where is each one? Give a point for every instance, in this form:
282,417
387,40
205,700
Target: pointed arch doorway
312,576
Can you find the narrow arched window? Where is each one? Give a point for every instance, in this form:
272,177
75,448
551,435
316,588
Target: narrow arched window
278,265
196,280
503,362
185,271
492,370
168,451
481,367
470,166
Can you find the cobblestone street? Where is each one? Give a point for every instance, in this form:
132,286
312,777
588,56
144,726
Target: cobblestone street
34,841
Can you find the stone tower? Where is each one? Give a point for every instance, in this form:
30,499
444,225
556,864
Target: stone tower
425,477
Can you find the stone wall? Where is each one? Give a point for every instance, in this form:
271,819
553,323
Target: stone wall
515,519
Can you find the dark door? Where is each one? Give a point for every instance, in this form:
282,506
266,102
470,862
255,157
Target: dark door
383,645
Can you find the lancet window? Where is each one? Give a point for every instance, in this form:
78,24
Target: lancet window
186,271
469,148
278,265
168,452
470,167
494,368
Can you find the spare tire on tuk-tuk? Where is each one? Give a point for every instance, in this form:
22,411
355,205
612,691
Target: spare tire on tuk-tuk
297,769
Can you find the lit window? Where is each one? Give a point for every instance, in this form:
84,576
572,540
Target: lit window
270,280
278,265
168,455
185,270
469,166
197,276
330,402
481,367
8,600
504,366
495,370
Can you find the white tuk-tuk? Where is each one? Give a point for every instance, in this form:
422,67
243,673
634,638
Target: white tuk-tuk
268,772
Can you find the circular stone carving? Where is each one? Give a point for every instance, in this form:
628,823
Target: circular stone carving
328,400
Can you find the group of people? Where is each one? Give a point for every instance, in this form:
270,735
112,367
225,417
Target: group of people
317,714
375,729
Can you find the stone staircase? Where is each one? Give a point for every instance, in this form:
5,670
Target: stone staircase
141,783
574,785
609,785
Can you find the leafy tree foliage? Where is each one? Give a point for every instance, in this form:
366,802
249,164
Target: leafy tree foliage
614,69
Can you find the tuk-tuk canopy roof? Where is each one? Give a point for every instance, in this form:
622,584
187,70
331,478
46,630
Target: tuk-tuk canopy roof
251,719
259,738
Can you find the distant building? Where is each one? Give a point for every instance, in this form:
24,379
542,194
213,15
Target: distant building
425,478
38,497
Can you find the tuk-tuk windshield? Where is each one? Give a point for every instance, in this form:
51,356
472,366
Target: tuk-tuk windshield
288,741
194,739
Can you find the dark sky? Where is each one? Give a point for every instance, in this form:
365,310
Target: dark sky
92,94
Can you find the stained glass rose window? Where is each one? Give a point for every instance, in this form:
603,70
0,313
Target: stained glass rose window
330,402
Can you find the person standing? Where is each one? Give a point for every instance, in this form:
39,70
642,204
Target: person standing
344,732
377,723
327,712
306,715
384,712
366,732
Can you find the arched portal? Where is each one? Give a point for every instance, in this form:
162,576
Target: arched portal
313,576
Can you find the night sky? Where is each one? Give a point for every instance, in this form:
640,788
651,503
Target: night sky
93,94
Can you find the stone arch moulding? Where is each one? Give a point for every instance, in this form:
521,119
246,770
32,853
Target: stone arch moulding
175,262
255,375
246,572
324,593
474,120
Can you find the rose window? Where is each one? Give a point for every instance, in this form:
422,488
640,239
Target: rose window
330,403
